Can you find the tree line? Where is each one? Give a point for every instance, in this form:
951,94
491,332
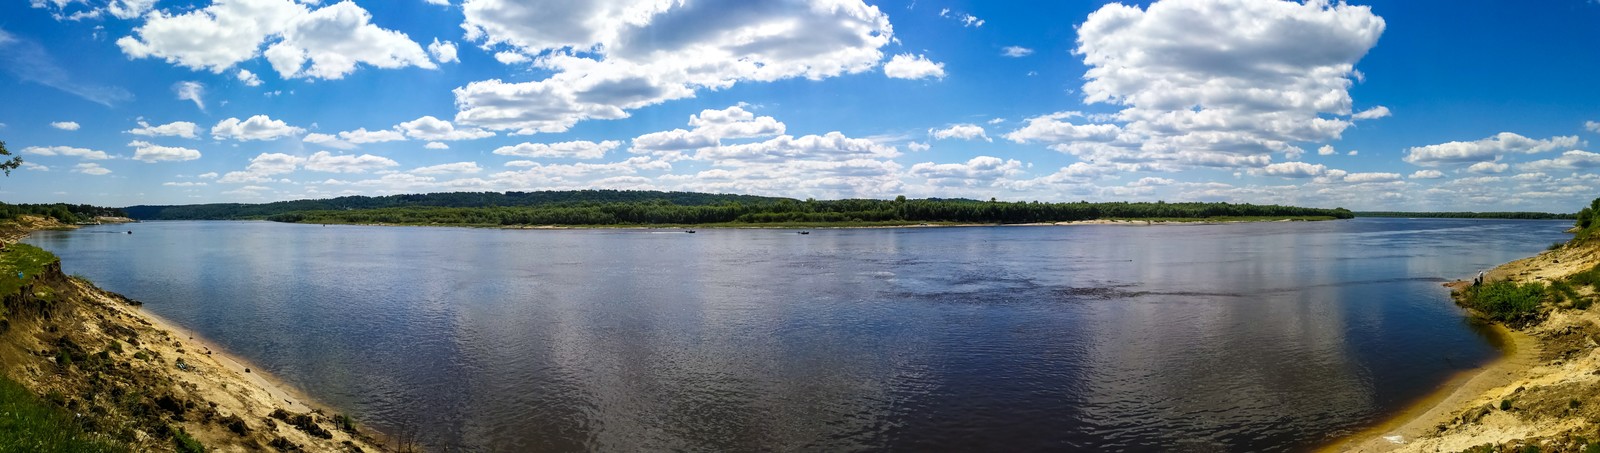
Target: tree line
65,213
1469,215
239,211
783,210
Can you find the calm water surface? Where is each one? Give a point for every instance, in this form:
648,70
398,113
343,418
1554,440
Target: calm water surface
1254,337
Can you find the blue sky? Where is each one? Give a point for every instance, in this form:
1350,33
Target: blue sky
1406,105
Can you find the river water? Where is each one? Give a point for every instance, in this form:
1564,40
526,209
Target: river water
1245,337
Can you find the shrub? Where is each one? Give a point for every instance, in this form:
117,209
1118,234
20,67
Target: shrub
183,443
1506,301
1505,405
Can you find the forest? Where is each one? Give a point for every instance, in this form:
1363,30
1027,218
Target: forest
65,213
1469,215
603,208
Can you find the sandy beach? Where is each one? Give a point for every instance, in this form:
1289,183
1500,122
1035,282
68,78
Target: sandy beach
1544,392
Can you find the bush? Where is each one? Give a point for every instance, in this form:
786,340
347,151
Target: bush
1506,301
183,443
1505,405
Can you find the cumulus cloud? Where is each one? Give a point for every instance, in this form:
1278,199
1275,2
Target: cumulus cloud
436,145
608,57
1325,150
443,51
326,43
259,127
151,153
1570,160
363,136
250,79
183,129
67,151
1016,51
960,131
1489,168
1487,149
65,125
1220,83
458,168
1592,126
1427,174
976,171
430,128
324,161
328,140
1371,178
907,66
573,149
710,127
184,184
90,168
1295,170
918,146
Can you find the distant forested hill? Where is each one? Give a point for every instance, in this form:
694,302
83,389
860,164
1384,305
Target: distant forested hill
65,213
1470,215
236,211
611,207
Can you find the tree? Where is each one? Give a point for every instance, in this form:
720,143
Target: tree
9,164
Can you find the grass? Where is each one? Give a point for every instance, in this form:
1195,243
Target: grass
21,258
30,424
1506,301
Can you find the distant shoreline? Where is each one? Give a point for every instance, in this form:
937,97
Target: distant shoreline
848,225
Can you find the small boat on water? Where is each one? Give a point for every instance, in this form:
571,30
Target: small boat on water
805,232
689,231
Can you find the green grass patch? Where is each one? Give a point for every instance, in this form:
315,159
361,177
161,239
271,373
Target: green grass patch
1590,278
23,259
30,424
1506,301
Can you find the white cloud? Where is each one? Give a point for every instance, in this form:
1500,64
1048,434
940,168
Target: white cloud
184,184
573,149
509,57
1427,174
1489,168
191,91
833,146
150,153
607,57
363,136
1295,170
90,168
918,146
981,169
1570,160
326,43
458,168
67,151
436,145
710,128
1016,51
438,2
183,129
328,140
34,167
443,51
1370,178
1223,83
65,125
1371,114
1325,150
324,161
207,175
430,128
966,20
1487,149
960,131
258,127
248,78
1592,126
130,9
907,66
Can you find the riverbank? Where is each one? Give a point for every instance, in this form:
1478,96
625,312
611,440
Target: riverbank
860,225
131,378
1544,393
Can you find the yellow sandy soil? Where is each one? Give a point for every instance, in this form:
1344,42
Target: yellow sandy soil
1549,380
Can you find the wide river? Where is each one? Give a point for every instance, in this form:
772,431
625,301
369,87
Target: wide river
1244,337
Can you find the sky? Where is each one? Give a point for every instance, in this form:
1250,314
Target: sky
1383,105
